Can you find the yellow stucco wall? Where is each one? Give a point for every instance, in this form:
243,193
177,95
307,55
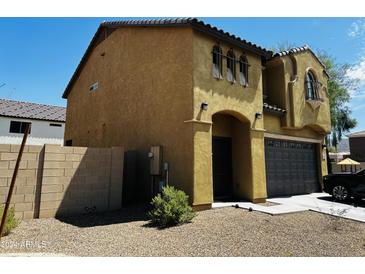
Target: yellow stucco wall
286,78
152,82
232,100
144,97
228,126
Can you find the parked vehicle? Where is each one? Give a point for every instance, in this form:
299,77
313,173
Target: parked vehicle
343,186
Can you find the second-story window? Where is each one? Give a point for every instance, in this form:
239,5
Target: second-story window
311,86
244,70
217,62
231,66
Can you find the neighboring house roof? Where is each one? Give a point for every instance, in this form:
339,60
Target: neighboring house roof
298,50
273,109
27,110
357,134
176,22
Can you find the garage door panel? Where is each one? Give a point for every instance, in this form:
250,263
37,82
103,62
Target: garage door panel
291,167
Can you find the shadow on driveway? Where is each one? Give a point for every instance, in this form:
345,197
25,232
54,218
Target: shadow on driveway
352,202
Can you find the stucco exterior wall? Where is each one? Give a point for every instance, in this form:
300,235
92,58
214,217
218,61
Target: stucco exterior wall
303,118
41,132
304,113
143,99
229,126
151,84
288,91
232,100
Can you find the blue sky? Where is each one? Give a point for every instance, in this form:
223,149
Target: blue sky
39,55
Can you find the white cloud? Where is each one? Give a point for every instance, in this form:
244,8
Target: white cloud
357,73
357,28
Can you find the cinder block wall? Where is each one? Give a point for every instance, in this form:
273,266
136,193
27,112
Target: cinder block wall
62,181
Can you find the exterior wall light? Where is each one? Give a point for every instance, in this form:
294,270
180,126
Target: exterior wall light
204,106
258,115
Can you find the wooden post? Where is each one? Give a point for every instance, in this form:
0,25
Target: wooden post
12,184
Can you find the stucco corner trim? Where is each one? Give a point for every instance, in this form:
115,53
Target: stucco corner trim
199,122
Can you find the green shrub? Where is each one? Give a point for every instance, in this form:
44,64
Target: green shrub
10,223
170,208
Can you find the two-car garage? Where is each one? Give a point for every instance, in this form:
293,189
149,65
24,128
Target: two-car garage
291,167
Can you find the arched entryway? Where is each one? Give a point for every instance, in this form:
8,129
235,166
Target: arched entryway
231,156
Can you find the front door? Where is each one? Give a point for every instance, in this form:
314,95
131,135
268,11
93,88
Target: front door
222,168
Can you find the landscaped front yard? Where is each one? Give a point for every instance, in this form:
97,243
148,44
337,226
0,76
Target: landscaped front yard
218,232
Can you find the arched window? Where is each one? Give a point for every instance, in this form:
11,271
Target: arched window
231,66
244,70
311,86
217,62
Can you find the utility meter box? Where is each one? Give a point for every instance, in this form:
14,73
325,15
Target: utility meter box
155,156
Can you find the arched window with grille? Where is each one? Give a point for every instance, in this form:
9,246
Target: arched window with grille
311,86
217,62
244,65
231,66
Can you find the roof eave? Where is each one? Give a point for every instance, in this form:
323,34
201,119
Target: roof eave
194,23
231,40
295,51
30,118
81,63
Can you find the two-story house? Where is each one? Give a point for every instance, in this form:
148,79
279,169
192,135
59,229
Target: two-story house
233,119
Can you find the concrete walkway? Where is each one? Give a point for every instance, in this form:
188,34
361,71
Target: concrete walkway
319,202
272,209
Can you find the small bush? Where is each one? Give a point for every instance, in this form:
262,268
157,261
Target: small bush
10,223
170,208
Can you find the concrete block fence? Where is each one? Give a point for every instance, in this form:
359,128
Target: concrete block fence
62,181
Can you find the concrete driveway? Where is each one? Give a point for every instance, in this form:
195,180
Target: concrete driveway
323,203
319,202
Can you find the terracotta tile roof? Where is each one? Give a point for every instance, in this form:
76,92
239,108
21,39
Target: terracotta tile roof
297,50
27,110
174,22
273,109
194,22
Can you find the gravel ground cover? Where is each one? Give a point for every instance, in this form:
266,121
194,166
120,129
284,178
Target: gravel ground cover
218,232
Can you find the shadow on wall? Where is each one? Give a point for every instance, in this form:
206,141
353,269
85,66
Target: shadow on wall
137,184
79,180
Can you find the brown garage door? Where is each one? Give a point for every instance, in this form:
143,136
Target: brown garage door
291,167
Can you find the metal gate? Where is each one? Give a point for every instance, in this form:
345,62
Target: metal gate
291,167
